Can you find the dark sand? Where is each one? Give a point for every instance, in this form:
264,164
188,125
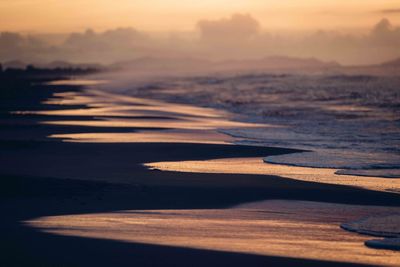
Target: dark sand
44,176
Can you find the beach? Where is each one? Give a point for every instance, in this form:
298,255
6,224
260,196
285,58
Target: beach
92,177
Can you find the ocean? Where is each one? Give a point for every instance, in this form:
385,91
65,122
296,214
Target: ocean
347,122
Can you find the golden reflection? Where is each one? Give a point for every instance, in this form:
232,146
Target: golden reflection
111,106
155,123
167,136
257,166
281,228
110,101
77,82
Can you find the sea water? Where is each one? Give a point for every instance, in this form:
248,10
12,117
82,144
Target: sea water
347,122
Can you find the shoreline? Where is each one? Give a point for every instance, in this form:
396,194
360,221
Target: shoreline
354,134
65,178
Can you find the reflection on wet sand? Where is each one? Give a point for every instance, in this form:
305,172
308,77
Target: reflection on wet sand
154,123
113,110
283,228
257,166
77,82
108,101
172,136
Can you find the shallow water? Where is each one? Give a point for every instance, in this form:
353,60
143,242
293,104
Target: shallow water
380,226
348,122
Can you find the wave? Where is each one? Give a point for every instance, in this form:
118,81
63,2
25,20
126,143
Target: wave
351,123
380,226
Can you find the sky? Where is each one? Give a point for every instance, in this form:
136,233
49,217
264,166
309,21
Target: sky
182,15
107,31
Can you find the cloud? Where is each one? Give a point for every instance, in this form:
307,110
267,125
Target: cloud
385,33
89,46
117,37
108,46
237,28
13,45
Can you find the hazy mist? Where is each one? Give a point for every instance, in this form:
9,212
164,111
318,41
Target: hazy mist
239,36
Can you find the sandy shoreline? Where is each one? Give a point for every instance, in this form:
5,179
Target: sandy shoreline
258,166
298,229
80,154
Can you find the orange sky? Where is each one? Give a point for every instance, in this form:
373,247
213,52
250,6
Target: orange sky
181,15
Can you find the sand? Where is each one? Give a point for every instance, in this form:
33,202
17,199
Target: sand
280,228
258,166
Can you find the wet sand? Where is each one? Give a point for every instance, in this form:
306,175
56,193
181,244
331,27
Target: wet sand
258,166
77,191
292,229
